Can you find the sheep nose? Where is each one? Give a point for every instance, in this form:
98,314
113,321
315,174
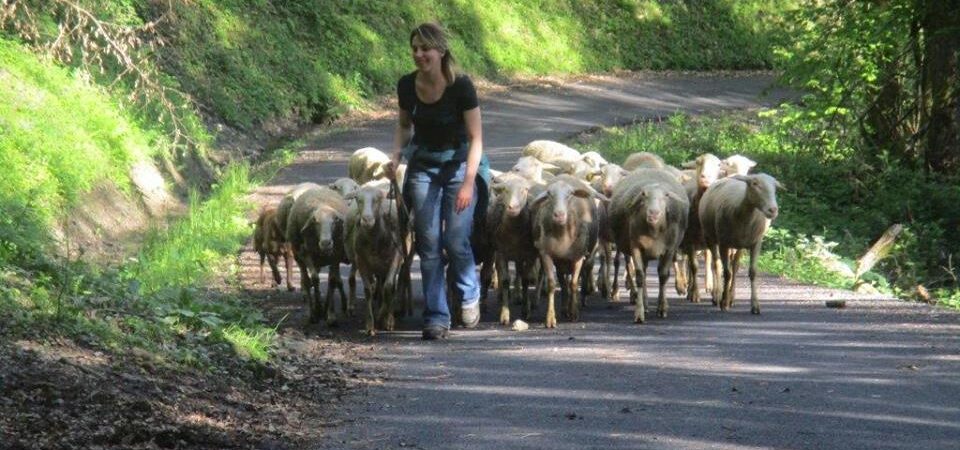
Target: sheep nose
772,212
653,217
560,217
367,221
326,245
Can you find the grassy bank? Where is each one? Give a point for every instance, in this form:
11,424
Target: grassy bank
253,62
834,206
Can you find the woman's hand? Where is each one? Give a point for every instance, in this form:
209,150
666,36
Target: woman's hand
390,170
464,197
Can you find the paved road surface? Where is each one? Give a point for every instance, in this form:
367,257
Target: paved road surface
879,374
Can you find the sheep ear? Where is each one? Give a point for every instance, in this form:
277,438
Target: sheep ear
691,164
677,197
541,197
742,178
780,186
350,196
548,166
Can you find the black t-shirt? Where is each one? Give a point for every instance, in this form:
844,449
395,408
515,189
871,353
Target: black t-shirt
440,125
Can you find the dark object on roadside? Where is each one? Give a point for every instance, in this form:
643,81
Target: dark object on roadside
836,303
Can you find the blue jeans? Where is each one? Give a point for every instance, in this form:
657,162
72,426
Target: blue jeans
442,235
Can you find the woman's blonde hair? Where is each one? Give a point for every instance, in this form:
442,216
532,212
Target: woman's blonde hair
433,36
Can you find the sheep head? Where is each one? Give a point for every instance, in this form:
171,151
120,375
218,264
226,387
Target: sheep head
707,170
762,193
651,203
370,198
560,193
512,193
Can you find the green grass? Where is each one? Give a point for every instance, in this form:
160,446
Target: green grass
59,137
834,205
253,62
160,301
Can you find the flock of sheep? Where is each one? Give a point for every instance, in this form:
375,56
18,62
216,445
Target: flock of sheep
555,215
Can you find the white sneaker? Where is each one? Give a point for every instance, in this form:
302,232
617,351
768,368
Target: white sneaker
470,315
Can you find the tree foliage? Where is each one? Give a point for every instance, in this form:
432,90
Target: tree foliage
882,73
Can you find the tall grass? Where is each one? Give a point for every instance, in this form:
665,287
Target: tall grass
59,137
252,62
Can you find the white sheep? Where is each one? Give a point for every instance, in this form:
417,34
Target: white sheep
549,151
644,160
565,231
735,213
706,171
648,216
367,164
736,165
532,169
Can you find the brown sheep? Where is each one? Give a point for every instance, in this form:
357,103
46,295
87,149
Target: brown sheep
269,242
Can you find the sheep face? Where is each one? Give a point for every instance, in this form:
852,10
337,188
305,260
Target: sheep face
762,193
369,202
651,203
322,225
708,170
513,196
736,165
610,175
344,186
558,197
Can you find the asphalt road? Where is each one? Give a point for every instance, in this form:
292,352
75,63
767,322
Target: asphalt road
878,374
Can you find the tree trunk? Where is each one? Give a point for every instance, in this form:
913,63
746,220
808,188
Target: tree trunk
941,24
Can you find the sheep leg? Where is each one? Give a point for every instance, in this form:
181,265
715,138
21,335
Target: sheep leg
304,280
754,301
663,271
546,264
263,255
629,273
631,285
604,273
588,286
287,251
709,264
693,291
524,278
316,306
680,268
487,271
638,292
334,283
368,292
503,293
726,265
615,287
352,282
564,295
713,254
735,261
574,284
388,290
274,271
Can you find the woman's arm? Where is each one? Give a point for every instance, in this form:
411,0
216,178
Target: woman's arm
471,118
401,136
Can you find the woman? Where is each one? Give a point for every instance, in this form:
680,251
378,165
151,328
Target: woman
439,133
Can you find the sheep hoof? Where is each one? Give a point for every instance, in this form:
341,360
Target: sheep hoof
755,310
551,322
662,313
639,319
505,317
